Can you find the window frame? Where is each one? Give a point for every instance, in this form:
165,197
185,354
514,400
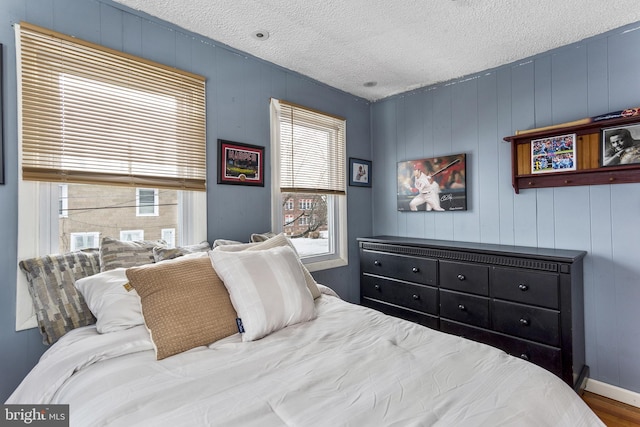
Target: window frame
138,235
336,211
38,208
63,211
94,234
156,202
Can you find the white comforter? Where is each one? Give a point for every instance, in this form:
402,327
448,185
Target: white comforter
351,366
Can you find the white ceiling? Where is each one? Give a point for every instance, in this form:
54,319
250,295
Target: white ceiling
399,44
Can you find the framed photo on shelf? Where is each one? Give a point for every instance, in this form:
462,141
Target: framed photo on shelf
240,163
620,145
433,184
554,154
359,172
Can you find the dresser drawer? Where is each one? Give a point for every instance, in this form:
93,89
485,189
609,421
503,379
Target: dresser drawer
409,295
549,358
464,308
460,276
423,319
402,267
536,324
529,287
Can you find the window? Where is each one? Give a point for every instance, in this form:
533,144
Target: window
308,173
111,118
306,204
147,202
169,236
131,235
288,220
94,125
63,204
85,240
108,210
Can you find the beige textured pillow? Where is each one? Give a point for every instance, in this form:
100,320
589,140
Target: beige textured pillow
274,242
184,304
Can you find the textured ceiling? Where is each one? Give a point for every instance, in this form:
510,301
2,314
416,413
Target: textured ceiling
399,44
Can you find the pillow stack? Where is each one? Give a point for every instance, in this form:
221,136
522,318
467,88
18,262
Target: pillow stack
193,296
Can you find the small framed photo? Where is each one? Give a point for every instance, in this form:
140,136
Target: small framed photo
240,163
554,154
359,172
620,145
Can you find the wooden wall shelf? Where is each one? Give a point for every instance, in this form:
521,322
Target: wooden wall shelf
588,170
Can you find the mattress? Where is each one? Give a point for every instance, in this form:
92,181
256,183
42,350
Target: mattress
350,366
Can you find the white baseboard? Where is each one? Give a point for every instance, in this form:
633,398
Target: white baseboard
612,392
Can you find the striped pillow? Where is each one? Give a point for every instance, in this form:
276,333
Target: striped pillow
267,289
276,241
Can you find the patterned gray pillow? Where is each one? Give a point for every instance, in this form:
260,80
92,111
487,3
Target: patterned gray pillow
58,305
161,253
120,254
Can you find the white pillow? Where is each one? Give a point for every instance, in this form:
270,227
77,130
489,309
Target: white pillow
114,306
277,240
267,289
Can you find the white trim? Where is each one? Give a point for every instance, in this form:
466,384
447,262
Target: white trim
84,235
169,236
338,218
192,217
156,208
613,392
133,234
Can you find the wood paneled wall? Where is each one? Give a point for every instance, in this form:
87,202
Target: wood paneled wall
472,115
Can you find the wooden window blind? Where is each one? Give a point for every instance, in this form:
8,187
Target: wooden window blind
312,150
94,115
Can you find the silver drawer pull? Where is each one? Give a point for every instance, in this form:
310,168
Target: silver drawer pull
376,262
524,322
416,297
461,277
461,307
376,287
415,269
523,287
524,357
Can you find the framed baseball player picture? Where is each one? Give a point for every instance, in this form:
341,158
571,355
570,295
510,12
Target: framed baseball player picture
436,184
620,145
360,172
554,154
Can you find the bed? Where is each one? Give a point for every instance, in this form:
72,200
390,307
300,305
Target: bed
342,364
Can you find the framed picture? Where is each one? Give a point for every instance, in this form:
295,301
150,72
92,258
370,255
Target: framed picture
240,163
620,145
359,172
433,184
554,154
1,123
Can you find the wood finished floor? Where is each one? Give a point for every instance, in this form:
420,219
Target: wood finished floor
612,412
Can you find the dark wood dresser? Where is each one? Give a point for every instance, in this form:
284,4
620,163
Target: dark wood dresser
525,301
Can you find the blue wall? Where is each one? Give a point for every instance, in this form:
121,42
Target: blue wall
238,93
472,115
